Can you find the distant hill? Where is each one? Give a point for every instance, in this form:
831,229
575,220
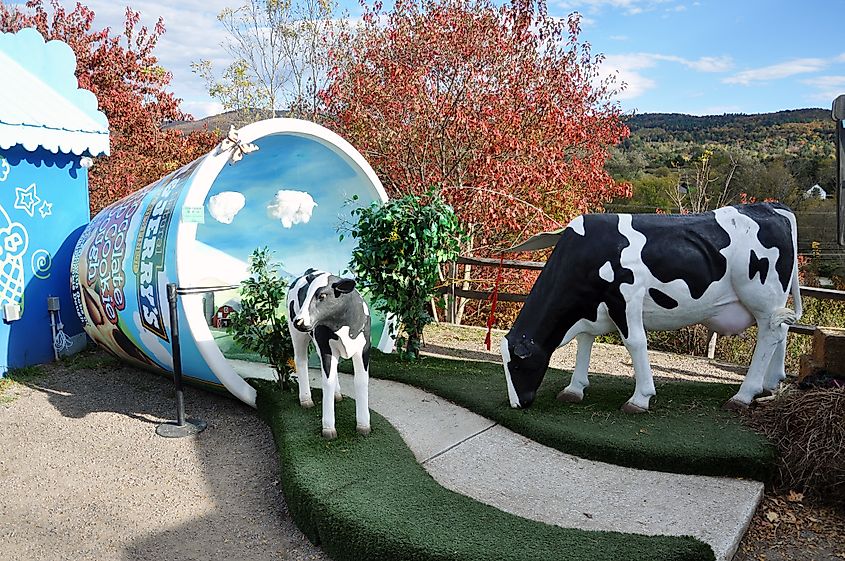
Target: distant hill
791,126
222,121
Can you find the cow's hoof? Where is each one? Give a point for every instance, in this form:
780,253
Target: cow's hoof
338,397
329,434
363,430
629,407
569,397
734,405
307,404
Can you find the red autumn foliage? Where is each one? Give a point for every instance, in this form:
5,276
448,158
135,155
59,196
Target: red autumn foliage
502,107
122,71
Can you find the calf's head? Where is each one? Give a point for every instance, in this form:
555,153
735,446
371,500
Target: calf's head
325,299
525,365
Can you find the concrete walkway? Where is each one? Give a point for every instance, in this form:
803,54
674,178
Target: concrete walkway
474,456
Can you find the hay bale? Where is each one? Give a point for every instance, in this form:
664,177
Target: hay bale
808,428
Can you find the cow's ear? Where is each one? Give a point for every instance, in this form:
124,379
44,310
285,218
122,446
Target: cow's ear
344,286
522,350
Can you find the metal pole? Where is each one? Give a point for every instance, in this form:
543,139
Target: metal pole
838,114
177,354
182,427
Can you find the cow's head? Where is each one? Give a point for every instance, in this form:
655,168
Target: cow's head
525,365
324,299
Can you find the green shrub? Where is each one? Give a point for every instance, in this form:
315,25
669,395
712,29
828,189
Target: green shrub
260,325
401,245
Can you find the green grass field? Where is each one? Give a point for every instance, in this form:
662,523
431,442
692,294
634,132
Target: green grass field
368,498
685,432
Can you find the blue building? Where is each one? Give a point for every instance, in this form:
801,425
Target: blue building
49,130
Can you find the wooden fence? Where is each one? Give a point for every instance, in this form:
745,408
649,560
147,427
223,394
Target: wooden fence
453,292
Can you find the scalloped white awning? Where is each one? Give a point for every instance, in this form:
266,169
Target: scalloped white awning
41,105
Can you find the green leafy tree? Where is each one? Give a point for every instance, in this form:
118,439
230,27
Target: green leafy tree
260,325
401,245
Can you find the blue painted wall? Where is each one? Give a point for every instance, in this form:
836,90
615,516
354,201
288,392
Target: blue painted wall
43,210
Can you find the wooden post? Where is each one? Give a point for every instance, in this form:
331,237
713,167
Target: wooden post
712,337
453,268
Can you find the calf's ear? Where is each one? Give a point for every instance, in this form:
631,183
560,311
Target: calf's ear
344,286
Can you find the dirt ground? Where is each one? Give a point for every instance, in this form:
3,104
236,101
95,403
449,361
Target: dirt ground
83,475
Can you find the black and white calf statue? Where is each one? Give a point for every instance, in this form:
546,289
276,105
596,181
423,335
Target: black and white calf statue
328,310
727,269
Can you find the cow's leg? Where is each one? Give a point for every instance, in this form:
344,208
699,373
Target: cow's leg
329,364
768,341
574,392
300,358
776,371
362,403
637,346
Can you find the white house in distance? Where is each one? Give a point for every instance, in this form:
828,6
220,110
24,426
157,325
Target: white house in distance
815,192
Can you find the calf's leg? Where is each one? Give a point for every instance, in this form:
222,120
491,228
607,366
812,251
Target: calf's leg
362,404
329,378
300,358
574,392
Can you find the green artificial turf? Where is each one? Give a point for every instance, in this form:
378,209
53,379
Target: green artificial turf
368,498
684,432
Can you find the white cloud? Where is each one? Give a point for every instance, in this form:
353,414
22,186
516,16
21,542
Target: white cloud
628,7
627,67
825,88
192,33
291,207
200,109
225,205
777,71
619,37
840,58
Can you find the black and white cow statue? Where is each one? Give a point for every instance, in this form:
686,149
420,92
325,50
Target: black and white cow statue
328,310
728,269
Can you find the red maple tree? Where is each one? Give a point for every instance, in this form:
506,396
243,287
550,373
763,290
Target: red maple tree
122,71
501,107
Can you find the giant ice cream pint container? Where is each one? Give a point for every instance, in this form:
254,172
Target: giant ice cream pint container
286,184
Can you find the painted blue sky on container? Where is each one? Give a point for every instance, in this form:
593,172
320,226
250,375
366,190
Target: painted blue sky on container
289,162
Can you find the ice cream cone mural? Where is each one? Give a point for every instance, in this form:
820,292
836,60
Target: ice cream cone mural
14,241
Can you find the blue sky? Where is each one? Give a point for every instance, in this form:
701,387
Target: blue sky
689,56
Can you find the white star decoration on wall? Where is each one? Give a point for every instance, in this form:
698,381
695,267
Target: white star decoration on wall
46,209
26,199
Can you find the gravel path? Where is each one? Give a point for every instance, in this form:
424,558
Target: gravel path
84,476
468,343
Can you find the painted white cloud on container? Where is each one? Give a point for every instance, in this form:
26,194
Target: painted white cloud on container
291,207
224,206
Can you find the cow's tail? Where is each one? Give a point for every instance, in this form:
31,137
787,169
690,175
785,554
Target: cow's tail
796,293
